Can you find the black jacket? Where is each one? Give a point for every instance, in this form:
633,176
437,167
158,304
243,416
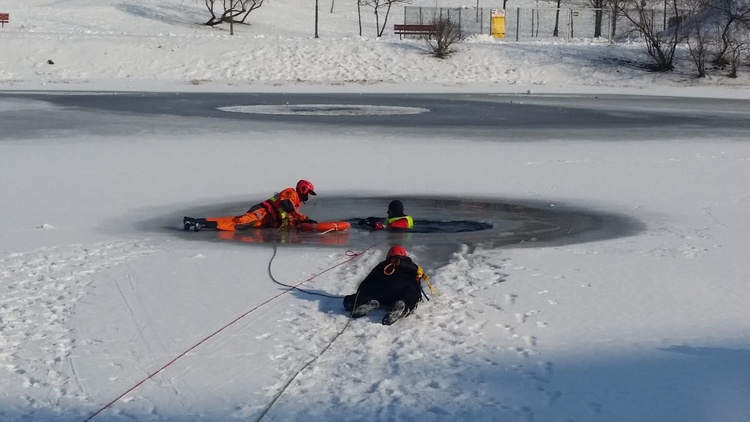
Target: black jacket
392,280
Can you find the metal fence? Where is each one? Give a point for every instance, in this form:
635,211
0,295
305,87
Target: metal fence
535,23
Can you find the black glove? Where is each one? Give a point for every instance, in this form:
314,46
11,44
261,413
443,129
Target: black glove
369,221
309,220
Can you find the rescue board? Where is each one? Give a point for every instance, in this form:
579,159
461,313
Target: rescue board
324,226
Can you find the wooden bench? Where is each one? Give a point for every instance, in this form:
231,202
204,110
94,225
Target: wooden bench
402,30
4,18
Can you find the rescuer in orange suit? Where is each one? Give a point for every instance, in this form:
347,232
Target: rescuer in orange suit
281,210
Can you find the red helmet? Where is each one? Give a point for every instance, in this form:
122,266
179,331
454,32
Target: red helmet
305,188
397,251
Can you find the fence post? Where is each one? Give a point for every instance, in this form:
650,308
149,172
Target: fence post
518,21
460,33
570,14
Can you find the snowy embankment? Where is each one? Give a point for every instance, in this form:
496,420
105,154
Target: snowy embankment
153,47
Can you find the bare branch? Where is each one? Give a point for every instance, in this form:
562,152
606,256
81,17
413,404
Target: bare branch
446,34
661,44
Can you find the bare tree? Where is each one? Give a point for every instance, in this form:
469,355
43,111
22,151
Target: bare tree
737,50
699,40
359,16
556,31
718,28
614,9
598,6
382,6
733,19
661,44
446,34
235,11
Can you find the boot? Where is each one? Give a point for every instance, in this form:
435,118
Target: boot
188,223
196,224
365,308
397,312
349,302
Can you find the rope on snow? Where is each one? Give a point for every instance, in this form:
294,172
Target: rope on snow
352,255
305,366
348,253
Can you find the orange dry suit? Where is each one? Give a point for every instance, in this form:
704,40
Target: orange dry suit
280,210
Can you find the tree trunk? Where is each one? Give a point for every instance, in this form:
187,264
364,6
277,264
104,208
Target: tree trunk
598,18
556,31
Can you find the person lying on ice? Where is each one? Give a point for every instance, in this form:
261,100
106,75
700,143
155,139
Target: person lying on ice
281,210
396,218
394,283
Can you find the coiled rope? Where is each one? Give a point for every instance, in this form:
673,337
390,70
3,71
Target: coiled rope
349,253
352,255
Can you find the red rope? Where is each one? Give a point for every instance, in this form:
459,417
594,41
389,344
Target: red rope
351,254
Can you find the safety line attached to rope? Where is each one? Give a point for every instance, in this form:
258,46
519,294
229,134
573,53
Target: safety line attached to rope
305,366
351,254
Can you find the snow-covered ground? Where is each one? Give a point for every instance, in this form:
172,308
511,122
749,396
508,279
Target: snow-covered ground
160,45
643,328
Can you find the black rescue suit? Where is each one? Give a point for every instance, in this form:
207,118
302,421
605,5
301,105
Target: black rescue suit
395,279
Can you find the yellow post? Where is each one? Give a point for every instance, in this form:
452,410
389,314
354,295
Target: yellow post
497,23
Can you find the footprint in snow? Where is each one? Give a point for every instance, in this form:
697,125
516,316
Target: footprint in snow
524,316
545,366
508,328
595,407
523,351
